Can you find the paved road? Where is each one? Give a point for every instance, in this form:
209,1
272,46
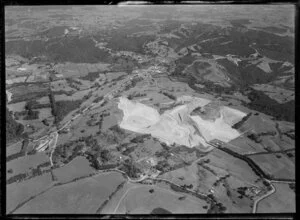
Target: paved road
261,198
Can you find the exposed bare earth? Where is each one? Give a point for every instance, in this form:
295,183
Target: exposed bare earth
176,126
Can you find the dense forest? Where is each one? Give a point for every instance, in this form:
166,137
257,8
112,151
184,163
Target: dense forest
263,103
60,109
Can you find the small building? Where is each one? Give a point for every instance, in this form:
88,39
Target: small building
21,69
59,75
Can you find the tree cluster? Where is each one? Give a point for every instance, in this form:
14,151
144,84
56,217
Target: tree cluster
262,103
131,96
217,208
16,178
254,137
241,122
140,139
33,104
162,165
163,153
98,99
130,169
170,96
13,128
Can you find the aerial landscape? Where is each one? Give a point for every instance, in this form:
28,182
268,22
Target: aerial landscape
150,109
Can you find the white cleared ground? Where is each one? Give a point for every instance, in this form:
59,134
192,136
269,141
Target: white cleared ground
175,126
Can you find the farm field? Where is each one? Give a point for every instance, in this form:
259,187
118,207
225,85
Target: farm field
139,200
282,201
79,70
83,196
13,149
78,167
205,179
25,163
45,113
109,121
277,165
235,167
187,175
243,145
116,200
284,143
21,192
16,107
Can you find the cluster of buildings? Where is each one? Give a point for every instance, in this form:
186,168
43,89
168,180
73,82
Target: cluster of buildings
44,144
48,142
147,165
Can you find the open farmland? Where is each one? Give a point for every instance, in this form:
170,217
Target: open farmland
236,167
78,167
29,92
115,201
244,145
82,196
79,70
187,175
260,124
13,149
276,165
205,177
25,163
23,191
282,201
45,113
109,121
140,200
17,107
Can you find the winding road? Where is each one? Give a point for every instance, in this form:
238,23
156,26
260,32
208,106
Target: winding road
263,197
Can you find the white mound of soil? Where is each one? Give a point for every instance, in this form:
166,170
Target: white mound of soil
231,116
176,125
217,129
9,95
137,116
